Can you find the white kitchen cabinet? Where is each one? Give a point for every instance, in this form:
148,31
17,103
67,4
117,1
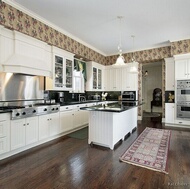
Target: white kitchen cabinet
24,132
95,76
129,79
48,125
63,62
119,78
84,115
170,74
182,66
66,120
54,128
169,113
113,78
4,133
71,117
77,117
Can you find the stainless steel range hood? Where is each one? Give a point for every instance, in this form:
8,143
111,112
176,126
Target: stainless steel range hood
20,53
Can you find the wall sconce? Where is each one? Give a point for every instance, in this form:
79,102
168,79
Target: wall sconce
145,74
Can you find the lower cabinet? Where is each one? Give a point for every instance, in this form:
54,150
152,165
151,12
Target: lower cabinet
48,125
170,113
66,120
71,117
4,133
24,132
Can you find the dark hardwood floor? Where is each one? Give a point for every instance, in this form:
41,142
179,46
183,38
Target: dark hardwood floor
70,163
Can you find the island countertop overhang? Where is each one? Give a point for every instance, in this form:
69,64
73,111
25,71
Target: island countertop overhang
117,107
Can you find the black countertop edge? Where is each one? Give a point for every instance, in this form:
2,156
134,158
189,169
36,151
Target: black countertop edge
91,101
109,109
84,102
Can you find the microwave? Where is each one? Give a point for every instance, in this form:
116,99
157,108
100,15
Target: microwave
129,96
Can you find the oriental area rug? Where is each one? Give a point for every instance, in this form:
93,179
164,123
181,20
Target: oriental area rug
149,150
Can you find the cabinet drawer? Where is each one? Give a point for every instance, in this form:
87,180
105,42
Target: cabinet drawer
3,145
3,128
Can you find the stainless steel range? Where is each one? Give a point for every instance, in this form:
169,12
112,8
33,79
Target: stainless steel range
34,110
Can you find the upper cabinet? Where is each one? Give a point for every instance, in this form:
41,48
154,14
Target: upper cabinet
95,74
120,78
182,66
20,53
62,71
170,74
129,79
113,78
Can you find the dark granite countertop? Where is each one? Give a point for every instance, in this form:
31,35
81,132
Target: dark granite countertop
119,106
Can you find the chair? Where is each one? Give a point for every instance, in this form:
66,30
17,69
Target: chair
157,98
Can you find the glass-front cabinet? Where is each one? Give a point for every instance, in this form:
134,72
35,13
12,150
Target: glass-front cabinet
62,77
58,75
69,73
99,79
94,76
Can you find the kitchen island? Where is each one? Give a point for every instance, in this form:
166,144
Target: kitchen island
110,123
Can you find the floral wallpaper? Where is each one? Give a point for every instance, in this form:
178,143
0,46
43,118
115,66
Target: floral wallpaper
150,55
180,47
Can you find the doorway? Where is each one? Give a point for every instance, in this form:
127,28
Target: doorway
151,79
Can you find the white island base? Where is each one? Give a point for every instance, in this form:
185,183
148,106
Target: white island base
108,128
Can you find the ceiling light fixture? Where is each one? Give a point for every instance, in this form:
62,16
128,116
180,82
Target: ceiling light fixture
120,60
133,68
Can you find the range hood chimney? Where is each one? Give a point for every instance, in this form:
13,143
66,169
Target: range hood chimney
24,54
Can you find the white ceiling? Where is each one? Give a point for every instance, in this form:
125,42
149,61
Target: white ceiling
153,22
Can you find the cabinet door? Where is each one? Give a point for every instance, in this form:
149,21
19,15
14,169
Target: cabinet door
95,79
99,79
129,80
18,136
77,118
54,124
84,117
107,84
58,71
66,121
69,73
169,112
170,74
115,79
181,69
3,145
31,130
43,127
188,68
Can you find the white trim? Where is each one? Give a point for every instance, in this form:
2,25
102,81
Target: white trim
44,21
137,50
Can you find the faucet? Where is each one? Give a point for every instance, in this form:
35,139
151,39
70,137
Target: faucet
81,98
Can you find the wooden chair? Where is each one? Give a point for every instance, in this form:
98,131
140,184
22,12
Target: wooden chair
157,98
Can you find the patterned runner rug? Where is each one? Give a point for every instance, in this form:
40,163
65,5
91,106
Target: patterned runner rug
149,150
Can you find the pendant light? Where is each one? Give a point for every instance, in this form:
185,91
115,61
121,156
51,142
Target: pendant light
133,68
120,60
